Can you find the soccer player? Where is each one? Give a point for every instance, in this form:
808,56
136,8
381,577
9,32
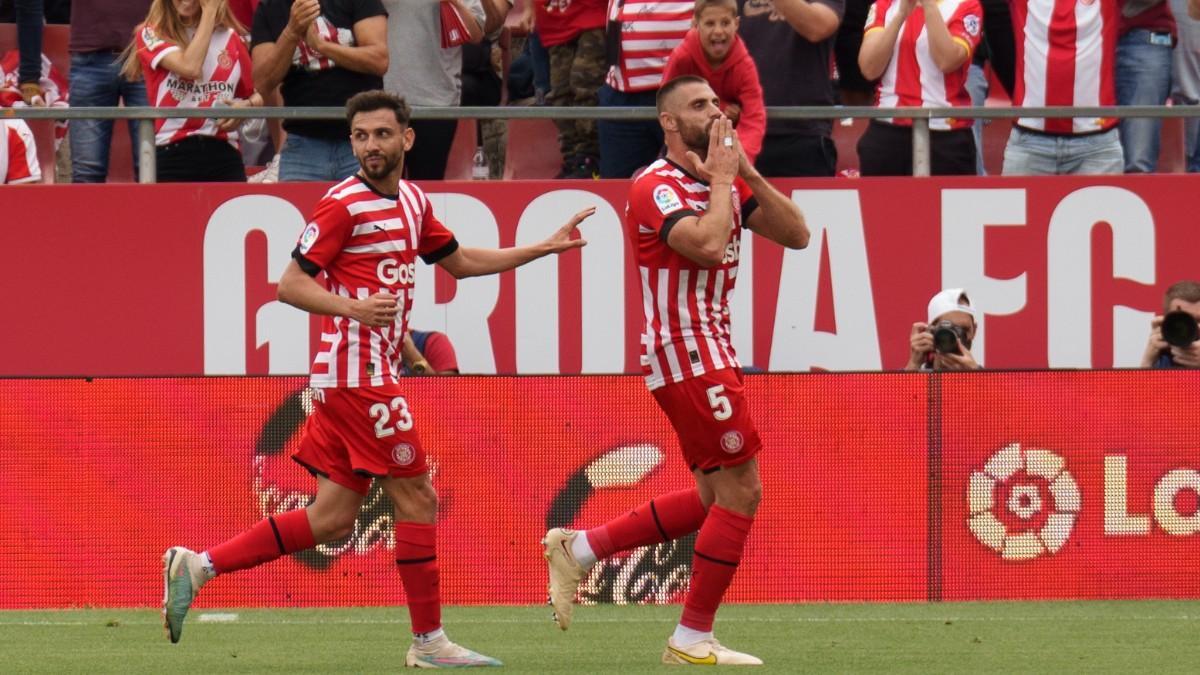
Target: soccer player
365,235
685,218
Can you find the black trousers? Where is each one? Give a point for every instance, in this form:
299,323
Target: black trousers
199,159
797,155
886,150
431,148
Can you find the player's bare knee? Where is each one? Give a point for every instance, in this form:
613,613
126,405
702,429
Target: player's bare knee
331,525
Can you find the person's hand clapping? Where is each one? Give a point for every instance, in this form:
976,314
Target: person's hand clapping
302,16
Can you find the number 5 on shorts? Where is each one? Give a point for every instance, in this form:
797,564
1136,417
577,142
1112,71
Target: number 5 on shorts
719,402
379,412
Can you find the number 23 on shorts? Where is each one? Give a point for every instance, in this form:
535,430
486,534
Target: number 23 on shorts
382,414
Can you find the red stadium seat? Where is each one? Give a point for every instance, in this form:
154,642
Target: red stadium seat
532,150
462,152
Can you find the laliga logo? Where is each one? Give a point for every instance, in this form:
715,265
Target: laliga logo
1023,503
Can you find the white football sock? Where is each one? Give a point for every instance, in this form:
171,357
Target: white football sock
206,565
686,637
582,550
423,639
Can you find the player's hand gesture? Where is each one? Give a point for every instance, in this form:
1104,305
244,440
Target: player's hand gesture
721,164
377,311
561,240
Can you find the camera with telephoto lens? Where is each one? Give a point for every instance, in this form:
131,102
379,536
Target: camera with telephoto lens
1179,329
946,336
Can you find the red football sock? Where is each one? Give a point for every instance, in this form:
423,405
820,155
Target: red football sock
718,552
416,558
278,535
663,518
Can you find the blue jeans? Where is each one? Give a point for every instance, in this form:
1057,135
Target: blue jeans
626,147
540,57
1186,76
96,81
1144,62
1033,154
977,87
320,159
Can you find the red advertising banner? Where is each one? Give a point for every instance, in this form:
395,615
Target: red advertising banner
179,279
878,487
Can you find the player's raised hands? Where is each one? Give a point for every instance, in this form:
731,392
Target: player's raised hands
721,164
377,310
561,240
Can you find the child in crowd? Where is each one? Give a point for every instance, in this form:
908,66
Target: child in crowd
713,50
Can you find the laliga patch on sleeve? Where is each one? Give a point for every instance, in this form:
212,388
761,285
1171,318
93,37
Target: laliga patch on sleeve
971,23
151,38
666,200
309,237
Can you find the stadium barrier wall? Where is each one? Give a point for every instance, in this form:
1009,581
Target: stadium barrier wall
1067,271
878,487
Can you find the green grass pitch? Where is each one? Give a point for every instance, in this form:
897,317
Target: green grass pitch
1050,637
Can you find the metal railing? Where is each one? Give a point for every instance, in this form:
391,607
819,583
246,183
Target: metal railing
919,116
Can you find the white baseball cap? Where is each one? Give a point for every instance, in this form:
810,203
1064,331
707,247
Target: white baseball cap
951,300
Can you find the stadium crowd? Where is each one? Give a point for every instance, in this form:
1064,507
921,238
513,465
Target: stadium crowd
755,53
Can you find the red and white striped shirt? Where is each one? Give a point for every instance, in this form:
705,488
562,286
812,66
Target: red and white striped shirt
225,76
686,333
367,243
18,154
1066,56
650,30
912,78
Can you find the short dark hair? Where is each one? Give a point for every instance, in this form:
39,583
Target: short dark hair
702,5
378,99
665,91
1187,291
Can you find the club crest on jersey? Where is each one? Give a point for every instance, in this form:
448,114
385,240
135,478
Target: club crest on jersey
666,200
732,441
224,60
403,454
309,237
971,23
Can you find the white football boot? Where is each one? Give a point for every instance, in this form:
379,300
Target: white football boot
706,653
565,573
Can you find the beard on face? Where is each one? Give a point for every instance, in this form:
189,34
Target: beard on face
386,168
695,137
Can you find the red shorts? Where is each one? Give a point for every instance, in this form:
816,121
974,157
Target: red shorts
355,435
712,419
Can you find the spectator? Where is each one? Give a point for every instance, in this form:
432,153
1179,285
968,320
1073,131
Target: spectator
852,87
29,15
945,342
481,71
192,56
100,32
1144,58
713,50
1185,86
640,37
1067,60
243,10
51,91
427,74
921,51
792,43
321,53
428,353
1173,334
573,32
18,154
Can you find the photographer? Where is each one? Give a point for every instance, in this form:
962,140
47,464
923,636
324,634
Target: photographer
1174,335
945,342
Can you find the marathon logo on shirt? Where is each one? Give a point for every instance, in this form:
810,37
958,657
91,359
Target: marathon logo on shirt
309,237
666,200
212,90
